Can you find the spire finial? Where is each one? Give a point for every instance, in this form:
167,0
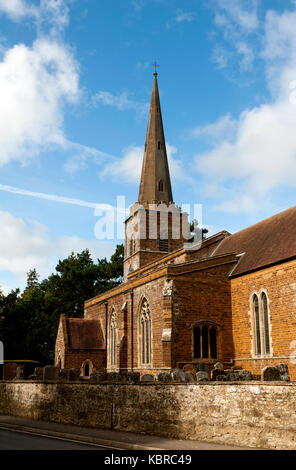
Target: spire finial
155,65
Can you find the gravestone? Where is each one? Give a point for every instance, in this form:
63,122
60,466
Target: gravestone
238,374
217,372
201,375
130,377
233,376
219,366
63,375
203,367
97,377
147,378
73,375
163,377
178,375
113,377
38,371
20,373
222,378
284,372
190,377
50,374
190,368
270,374
9,371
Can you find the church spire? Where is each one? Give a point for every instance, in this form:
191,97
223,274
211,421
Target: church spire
155,185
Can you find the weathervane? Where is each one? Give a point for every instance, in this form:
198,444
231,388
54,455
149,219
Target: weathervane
155,65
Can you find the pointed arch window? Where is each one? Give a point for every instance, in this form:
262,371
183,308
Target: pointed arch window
112,340
265,322
257,324
261,324
145,334
86,370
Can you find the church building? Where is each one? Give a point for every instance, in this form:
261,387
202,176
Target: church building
227,298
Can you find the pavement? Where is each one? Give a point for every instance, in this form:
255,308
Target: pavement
107,438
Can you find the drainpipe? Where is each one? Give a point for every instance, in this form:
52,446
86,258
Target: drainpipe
132,330
106,335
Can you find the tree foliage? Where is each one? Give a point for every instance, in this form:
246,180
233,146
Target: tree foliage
29,320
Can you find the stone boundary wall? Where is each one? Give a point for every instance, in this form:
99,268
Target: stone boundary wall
246,414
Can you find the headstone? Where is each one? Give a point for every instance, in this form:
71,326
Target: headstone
222,378
63,375
163,377
201,375
256,377
130,377
238,375
190,377
97,377
9,371
219,366
284,371
232,376
190,368
270,374
216,372
32,377
178,375
20,373
50,374
113,377
203,367
73,375
38,371
147,378
244,374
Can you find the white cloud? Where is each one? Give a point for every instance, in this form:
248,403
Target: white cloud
25,245
16,9
122,102
35,83
237,21
184,16
128,168
224,128
237,13
262,155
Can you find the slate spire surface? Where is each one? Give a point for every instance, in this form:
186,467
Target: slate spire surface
155,185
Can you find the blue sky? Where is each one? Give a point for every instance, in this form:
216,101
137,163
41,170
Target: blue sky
75,85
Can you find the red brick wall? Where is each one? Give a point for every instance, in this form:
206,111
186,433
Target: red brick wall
203,295
280,285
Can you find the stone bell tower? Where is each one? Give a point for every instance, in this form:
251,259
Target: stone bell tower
154,226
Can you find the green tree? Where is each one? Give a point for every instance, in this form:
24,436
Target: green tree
29,321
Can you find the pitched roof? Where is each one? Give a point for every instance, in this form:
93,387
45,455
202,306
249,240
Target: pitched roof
269,242
84,334
155,184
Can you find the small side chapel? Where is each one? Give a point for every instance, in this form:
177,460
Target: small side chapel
231,299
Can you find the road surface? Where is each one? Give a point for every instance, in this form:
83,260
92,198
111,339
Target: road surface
16,440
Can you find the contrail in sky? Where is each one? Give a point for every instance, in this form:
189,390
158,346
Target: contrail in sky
50,197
